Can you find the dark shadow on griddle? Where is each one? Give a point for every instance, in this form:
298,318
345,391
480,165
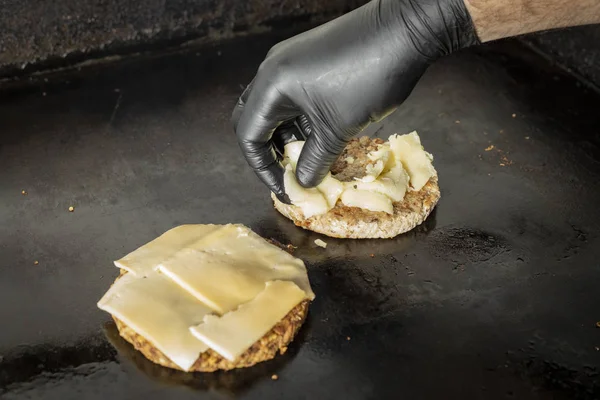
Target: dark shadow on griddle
284,231
23,366
234,382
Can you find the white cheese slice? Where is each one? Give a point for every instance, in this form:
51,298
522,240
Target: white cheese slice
146,258
311,201
368,200
161,312
292,153
234,332
416,161
231,266
393,184
332,189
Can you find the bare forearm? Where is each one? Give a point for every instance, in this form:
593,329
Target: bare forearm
496,19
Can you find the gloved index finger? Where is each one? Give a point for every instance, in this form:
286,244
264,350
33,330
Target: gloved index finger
319,153
258,120
241,103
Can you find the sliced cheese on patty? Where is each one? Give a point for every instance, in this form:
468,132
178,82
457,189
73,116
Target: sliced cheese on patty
231,266
161,312
146,258
416,161
369,200
311,201
234,333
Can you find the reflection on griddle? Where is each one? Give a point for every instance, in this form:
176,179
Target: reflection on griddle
284,231
232,382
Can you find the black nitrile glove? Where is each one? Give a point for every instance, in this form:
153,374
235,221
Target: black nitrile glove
330,83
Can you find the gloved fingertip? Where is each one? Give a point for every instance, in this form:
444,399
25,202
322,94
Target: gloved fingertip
283,197
308,179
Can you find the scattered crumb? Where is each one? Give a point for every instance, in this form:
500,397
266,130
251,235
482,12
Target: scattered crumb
484,132
117,90
502,165
526,137
43,93
490,147
291,247
320,243
598,324
348,338
274,377
440,91
501,131
597,348
457,121
36,262
71,209
514,115
24,192
505,161
371,255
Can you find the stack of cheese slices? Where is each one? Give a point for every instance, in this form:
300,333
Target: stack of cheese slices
207,290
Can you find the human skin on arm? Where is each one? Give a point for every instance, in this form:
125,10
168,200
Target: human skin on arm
328,84
495,19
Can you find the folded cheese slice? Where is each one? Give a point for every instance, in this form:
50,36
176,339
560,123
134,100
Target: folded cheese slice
230,267
146,258
234,333
161,312
409,151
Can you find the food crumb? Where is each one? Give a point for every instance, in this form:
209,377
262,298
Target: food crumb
321,243
597,348
291,247
371,255
457,121
598,324
71,209
526,137
348,338
36,262
274,377
501,131
43,93
514,115
490,147
24,192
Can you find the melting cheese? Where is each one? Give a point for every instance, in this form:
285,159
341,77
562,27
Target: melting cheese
233,333
311,201
368,200
161,312
416,161
397,165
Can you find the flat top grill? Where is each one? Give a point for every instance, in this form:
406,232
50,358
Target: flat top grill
496,294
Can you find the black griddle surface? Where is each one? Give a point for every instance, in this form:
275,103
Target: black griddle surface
497,295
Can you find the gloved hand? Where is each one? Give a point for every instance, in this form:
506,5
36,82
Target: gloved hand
331,82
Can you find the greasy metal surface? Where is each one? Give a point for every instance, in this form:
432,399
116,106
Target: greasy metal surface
496,296
38,34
